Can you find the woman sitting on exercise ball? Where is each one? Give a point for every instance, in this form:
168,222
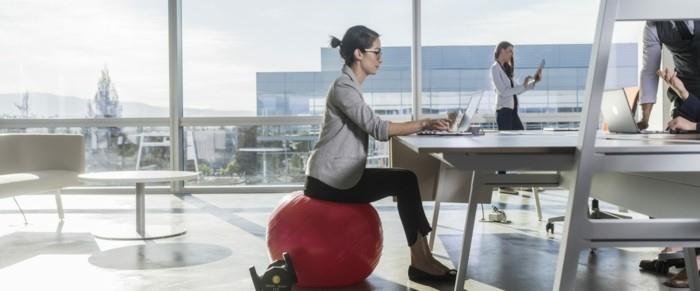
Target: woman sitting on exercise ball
336,168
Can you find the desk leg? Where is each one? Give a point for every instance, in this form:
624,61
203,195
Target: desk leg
576,228
468,233
691,268
59,204
436,214
140,209
442,182
536,194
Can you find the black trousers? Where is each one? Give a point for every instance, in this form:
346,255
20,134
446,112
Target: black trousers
508,119
376,184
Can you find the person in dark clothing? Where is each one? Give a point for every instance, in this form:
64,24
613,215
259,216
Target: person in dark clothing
336,167
688,112
682,39
689,108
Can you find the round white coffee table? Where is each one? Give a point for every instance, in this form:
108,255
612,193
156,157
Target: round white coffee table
140,178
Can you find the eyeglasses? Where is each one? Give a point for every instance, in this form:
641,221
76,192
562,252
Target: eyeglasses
377,51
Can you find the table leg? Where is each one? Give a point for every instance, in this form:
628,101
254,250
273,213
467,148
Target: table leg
576,227
436,213
468,233
536,193
126,232
691,268
140,209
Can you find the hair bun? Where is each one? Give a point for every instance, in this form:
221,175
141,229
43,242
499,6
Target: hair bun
335,42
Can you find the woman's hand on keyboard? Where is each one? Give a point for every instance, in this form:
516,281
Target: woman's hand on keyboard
440,124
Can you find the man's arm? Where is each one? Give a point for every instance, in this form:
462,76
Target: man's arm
646,113
648,80
690,109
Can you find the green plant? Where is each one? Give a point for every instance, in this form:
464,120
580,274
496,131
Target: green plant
204,169
232,168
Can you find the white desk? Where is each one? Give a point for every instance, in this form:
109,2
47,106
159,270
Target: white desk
544,151
629,154
486,154
140,178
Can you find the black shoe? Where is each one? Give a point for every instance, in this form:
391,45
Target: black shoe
417,275
660,266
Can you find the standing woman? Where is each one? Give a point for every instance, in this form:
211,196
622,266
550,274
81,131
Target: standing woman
507,89
336,168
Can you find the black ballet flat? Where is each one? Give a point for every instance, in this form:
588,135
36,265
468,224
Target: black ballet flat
417,275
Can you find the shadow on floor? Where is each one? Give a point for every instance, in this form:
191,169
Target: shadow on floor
159,256
377,283
20,246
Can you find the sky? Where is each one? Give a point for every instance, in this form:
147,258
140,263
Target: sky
59,47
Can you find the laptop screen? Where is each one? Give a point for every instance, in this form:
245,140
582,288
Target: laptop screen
617,113
469,113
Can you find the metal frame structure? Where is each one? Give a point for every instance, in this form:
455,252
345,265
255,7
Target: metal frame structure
177,137
416,59
580,232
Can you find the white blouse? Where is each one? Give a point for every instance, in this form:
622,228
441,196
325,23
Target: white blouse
503,89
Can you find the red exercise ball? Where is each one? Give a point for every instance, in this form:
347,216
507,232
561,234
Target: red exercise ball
331,244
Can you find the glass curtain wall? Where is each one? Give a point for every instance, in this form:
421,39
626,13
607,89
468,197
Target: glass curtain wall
85,61
256,74
459,40
271,59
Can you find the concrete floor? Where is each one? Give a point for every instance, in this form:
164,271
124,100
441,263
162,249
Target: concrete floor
226,235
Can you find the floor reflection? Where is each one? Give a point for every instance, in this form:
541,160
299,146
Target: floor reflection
159,256
20,246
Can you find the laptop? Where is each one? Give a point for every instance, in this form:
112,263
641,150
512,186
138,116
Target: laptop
462,123
618,114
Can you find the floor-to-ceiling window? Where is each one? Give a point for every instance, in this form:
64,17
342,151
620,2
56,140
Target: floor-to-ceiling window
255,74
96,68
459,38
256,77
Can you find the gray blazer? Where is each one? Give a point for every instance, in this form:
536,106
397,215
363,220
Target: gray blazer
339,157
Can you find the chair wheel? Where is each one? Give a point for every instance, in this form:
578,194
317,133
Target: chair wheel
550,227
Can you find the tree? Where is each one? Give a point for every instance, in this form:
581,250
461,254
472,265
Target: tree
232,168
106,100
24,106
105,104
